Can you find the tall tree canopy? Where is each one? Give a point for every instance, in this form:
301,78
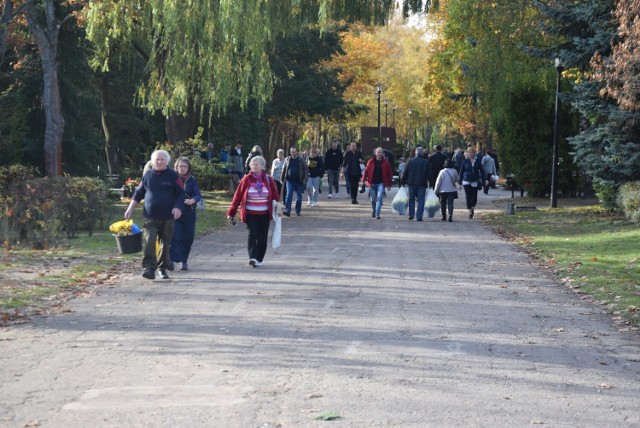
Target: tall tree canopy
211,54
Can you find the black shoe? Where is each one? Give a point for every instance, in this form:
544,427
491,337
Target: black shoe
149,273
378,217
354,201
185,266
373,215
471,215
163,274
287,213
410,218
419,219
444,218
450,218
171,266
298,214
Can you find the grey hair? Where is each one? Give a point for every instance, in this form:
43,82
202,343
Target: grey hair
154,155
419,151
259,160
280,151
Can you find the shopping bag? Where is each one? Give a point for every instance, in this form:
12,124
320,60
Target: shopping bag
400,202
431,203
276,236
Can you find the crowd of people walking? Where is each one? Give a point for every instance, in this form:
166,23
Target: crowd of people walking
170,196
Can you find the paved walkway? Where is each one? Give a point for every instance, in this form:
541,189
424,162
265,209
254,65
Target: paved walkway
383,322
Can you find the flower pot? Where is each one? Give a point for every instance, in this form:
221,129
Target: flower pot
129,244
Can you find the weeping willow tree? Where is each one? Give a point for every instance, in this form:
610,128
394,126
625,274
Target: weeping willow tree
203,56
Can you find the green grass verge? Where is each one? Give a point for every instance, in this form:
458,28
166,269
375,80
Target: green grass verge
30,279
591,250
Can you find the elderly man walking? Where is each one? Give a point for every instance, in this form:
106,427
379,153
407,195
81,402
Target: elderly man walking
416,176
163,195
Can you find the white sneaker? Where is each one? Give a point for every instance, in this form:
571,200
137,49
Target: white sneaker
329,195
309,203
257,264
314,204
254,262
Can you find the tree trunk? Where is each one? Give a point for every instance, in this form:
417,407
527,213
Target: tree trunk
5,19
113,163
47,42
181,127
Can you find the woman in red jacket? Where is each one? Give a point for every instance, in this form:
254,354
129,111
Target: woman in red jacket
255,195
377,175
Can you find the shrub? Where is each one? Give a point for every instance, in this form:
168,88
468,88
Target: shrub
606,191
209,174
42,210
11,178
629,200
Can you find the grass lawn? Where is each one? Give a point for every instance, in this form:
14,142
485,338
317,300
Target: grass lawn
591,250
33,282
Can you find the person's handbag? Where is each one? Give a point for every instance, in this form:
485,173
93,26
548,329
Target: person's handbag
276,236
362,187
201,204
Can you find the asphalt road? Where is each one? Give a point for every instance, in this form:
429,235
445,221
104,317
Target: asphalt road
372,322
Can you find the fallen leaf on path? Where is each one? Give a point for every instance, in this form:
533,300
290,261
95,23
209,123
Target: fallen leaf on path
328,416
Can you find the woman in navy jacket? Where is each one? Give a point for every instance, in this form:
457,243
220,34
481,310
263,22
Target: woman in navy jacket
184,229
473,176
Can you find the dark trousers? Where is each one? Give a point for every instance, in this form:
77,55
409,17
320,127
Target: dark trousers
446,201
258,225
354,180
161,231
471,194
333,177
184,232
279,186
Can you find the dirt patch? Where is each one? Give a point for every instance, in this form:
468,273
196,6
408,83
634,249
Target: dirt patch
38,284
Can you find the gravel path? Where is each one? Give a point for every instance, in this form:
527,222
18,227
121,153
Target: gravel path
374,322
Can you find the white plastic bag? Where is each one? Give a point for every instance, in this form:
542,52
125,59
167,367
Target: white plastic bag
276,236
431,203
400,202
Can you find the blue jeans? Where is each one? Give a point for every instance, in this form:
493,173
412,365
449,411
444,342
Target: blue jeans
294,187
416,192
313,186
376,193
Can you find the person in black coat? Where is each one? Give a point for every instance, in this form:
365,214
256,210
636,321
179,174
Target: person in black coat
416,176
352,171
436,163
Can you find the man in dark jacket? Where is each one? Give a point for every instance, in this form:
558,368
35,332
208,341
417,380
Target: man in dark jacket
416,175
294,174
332,163
163,196
352,171
436,163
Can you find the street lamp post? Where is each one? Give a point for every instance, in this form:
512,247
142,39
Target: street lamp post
409,139
554,166
386,103
379,87
393,108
